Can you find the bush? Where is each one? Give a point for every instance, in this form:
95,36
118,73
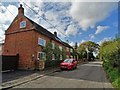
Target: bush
110,54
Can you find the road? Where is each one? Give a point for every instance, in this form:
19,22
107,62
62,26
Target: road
90,75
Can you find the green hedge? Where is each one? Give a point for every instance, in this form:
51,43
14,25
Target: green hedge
113,75
110,55
52,63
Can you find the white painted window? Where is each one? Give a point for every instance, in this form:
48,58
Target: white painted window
41,56
71,50
60,47
67,56
53,45
23,24
67,49
41,42
60,57
53,56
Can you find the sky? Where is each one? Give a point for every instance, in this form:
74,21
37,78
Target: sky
73,21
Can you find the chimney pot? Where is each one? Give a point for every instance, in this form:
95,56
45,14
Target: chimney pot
20,10
55,33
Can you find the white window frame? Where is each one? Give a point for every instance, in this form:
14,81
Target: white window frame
22,24
60,57
43,40
43,54
53,45
71,50
67,49
53,56
60,47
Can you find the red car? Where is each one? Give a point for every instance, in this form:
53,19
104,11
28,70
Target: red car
68,64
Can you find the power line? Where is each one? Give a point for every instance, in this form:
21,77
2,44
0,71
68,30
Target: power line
44,19
37,14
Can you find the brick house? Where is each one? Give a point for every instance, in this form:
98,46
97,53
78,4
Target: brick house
27,38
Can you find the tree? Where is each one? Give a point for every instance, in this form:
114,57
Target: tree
57,52
48,50
87,46
63,54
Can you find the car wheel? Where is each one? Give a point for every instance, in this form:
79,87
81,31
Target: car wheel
75,67
61,68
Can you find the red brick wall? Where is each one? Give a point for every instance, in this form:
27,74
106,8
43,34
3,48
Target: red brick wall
24,42
20,41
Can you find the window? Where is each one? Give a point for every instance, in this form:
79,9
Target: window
67,49
41,55
53,46
53,57
60,48
23,24
71,50
41,42
67,56
60,57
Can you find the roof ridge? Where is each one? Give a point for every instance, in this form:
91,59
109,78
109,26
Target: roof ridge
44,31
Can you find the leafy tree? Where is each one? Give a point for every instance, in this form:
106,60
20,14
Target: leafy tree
63,54
57,52
48,50
91,46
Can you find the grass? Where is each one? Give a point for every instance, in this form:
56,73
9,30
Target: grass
113,75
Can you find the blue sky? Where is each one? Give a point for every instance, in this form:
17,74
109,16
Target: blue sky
76,22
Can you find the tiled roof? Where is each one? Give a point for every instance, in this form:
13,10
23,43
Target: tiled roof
45,32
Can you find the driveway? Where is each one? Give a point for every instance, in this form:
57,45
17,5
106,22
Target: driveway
90,75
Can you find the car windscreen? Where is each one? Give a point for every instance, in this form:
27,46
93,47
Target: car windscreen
68,60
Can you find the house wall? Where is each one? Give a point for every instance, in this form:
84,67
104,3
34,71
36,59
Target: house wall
24,41
20,41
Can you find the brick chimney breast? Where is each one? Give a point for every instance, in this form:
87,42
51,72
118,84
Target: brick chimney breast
20,10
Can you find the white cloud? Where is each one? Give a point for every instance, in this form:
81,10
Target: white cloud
71,30
88,14
101,29
104,39
6,18
91,36
82,41
72,43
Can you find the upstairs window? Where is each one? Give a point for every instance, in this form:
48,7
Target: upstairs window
41,42
53,45
60,47
71,50
67,49
23,24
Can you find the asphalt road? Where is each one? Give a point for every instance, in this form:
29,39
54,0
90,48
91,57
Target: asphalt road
90,75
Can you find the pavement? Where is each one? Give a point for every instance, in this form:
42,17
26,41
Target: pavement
15,78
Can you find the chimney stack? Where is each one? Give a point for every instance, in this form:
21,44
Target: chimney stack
20,10
55,33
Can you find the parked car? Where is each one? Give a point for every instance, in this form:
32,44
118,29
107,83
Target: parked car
68,64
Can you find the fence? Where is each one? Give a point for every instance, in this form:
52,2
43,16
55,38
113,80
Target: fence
9,62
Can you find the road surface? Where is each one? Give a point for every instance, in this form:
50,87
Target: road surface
90,75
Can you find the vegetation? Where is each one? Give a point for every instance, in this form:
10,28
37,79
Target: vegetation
110,55
48,50
87,46
56,51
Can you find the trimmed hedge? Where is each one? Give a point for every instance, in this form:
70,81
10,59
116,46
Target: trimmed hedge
52,63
